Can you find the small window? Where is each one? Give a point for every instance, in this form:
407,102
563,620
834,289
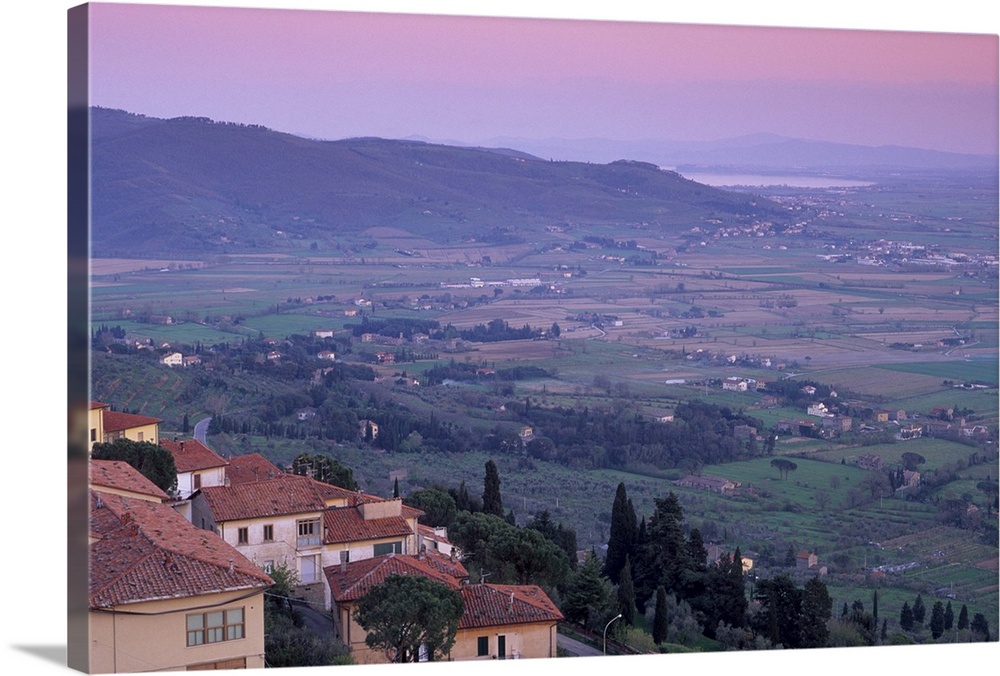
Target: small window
93,434
269,533
483,646
243,536
197,481
268,567
139,436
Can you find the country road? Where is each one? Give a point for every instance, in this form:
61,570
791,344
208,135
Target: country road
201,429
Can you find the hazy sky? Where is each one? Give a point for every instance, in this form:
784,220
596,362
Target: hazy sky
339,74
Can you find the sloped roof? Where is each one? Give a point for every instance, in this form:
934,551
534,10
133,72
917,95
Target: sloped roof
345,524
147,551
119,475
251,467
490,605
446,565
360,576
115,421
286,494
191,454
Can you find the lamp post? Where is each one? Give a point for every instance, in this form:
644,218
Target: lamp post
618,616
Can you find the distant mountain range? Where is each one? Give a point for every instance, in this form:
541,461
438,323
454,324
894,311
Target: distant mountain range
190,185
755,153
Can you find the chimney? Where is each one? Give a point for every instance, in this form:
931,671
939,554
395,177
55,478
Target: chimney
343,562
231,570
451,557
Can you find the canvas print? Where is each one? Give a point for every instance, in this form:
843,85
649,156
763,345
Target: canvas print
439,338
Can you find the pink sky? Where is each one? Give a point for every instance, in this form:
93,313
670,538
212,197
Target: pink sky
337,74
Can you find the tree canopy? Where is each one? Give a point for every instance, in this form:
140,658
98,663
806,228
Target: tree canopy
326,469
438,506
151,460
784,466
407,613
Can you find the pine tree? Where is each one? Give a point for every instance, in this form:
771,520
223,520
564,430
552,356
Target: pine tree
667,547
980,627
589,598
492,502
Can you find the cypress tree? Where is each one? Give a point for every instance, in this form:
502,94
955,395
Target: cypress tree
937,620
963,618
816,607
492,502
906,617
660,618
621,542
626,593
919,611
949,617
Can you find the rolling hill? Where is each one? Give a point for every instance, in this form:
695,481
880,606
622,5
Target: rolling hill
192,185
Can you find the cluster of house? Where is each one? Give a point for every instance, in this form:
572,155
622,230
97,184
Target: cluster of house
178,581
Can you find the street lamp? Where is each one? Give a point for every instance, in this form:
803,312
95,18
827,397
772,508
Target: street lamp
618,616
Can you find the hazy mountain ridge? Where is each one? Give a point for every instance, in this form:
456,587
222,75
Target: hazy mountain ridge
758,152
193,185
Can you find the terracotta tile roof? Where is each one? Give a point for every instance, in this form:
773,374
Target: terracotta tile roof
251,467
191,454
359,576
345,524
115,421
147,551
446,565
119,475
285,494
490,605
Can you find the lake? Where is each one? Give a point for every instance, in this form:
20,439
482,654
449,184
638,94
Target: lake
762,180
